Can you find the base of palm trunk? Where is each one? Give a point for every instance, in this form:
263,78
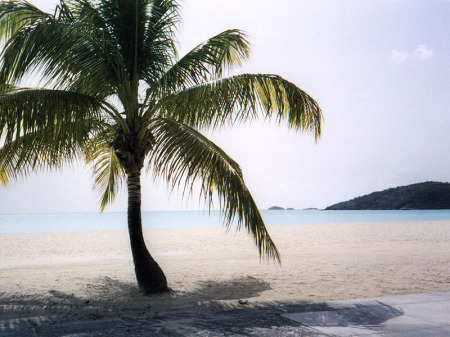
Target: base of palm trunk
150,277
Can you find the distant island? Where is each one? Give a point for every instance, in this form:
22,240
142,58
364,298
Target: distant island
428,195
276,208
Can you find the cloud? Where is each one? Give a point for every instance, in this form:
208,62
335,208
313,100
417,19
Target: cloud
399,56
422,52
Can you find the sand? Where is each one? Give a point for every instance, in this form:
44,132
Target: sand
91,274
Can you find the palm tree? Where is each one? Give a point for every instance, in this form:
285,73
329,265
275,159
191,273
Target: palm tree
114,92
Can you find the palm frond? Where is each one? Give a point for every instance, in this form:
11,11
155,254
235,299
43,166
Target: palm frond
182,156
243,98
16,14
158,45
71,116
108,173
71,52
45,128
21,21
38,150
205,62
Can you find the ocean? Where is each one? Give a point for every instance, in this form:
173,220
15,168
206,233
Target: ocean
68,222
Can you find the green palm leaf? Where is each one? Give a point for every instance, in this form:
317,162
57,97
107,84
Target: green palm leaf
15,15
23,111
158,45
109,175
242,98
46,127
68,54
36,151
205,62
183,156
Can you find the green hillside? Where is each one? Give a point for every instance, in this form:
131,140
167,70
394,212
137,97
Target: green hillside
428,195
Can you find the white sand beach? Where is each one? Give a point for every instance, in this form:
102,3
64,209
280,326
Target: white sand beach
208,268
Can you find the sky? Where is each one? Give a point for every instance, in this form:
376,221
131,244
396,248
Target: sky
379,69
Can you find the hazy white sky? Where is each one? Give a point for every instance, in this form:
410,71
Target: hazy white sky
380,70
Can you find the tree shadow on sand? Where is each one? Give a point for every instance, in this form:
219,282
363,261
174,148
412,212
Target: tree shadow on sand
114,305
208,294
111,307
116,296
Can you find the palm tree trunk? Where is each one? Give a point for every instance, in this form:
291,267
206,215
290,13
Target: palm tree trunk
149,275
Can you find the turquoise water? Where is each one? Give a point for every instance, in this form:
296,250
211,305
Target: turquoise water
37,223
